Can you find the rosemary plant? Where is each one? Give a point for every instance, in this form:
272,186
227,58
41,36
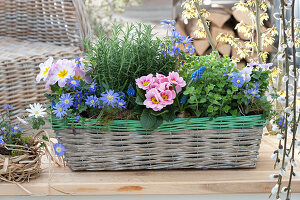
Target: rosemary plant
131,52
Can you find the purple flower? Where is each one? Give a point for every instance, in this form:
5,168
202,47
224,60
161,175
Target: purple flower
230,74
7,106
93,88
167,23
91,101
77,104
121,103
73,82
255,85
78,94
59,149
190,49
59,110
110,98
77,118
175,50
175,33
78,61
186,39
15,129
66,100
1,140
237,81
254,92
281,121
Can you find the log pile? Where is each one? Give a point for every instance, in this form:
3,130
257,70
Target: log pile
221,21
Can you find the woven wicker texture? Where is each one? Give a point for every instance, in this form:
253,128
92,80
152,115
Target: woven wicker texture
200,143
62,22
20,168
19,62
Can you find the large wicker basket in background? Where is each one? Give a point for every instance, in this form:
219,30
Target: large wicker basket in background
197,143
30,32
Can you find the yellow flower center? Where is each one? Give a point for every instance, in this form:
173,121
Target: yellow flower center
184,41
16,128
63,73
67,101
154,100
120,104
145,83
92,101
77,62
60,109
78,95
46,70
253,92
73,82
238,81
78,77
165,97
36,112
230,74
92,86
58,149
109,97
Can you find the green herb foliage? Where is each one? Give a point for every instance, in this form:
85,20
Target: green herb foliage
130,53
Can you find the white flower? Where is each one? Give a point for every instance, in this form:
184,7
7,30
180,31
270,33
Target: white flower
288,110
290,43
291,98
275,128
294,163
277,16
297,142
295,174
273,177
36,110
281,57
274,155
22,120
285,78
44,70
275,189
279,136
282,172
298,54
284,190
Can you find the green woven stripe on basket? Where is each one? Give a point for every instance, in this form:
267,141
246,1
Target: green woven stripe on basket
179,124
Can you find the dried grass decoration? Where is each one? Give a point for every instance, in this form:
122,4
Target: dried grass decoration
21,163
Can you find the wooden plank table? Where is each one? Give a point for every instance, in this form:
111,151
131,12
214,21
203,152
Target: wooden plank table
62,181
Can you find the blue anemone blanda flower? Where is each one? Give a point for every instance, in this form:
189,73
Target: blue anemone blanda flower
121,103
66,100
59,110
91,101
109,98
15,128
237,81
59,149
7,106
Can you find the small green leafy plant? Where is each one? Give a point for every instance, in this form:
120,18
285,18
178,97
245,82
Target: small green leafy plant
222,89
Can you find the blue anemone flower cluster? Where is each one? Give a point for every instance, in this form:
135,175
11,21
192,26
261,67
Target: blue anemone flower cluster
176,39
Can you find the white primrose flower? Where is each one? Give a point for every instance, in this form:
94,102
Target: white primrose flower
45,68
275,189
36,110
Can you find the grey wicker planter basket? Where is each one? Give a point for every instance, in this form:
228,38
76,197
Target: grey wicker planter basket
205,147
